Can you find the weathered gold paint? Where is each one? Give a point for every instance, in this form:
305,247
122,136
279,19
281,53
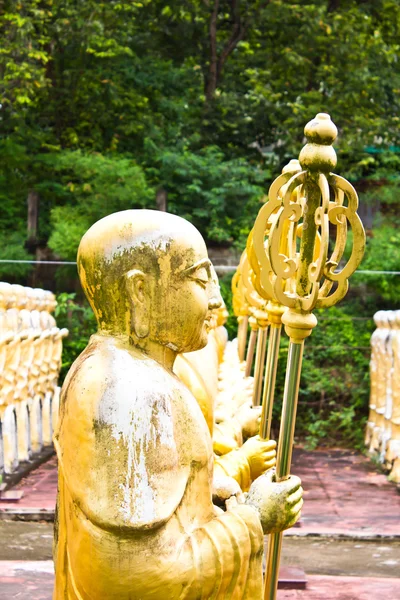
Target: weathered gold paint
135,518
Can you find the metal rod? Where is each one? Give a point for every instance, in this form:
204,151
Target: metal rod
271,367
250,352
284,458
259,365
242,337
272,565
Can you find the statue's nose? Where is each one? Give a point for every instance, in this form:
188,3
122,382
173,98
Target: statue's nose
214,302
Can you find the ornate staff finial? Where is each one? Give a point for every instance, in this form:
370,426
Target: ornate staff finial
318,154
306,278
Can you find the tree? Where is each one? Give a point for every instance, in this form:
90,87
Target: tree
222,86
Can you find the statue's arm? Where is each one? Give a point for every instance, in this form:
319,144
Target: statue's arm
109,494
116,478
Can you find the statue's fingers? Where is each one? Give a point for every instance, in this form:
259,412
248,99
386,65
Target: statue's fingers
271,444
231,503
271,452
294,520
269,474
268,446
268,464
271,458
295,497
292,484
296,509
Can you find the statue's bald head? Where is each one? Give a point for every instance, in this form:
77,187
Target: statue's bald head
155,243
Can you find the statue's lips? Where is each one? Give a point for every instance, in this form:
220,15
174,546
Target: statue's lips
207,323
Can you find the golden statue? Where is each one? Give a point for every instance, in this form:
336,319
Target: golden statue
240,454
135,517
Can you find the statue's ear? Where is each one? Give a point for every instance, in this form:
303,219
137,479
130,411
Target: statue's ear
139,294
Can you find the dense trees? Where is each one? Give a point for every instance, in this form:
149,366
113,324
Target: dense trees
111,105
105,103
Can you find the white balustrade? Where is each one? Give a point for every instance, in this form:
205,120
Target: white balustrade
30,361
383,427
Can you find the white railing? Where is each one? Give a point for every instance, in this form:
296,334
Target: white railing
30,361
383,428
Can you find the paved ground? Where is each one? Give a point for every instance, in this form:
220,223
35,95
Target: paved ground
344,496
34,581
316,555
321,587
40,490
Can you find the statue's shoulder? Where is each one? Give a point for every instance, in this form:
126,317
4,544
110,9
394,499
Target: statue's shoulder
110,374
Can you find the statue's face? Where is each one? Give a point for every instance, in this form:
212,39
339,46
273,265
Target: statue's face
180,301
184,301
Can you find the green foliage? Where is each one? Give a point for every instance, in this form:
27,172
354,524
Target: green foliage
383,253
221,197
225,284
103,103
333,402
12,248
81,323
89,187
134,82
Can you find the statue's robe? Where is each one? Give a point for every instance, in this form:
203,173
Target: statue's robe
135,519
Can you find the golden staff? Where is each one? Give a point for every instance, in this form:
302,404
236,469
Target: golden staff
255,303
304,279
258,257
261,317
252,345
259,320
240,308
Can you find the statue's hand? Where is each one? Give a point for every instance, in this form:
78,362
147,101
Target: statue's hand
224,488
249,418
244,392
260,454
278,503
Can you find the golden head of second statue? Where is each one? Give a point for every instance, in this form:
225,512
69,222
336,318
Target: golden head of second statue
135,517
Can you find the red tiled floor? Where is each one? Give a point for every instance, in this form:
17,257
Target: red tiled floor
343,492
34,581
40,490
322,587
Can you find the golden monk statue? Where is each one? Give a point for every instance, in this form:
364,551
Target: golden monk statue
135,518
234,459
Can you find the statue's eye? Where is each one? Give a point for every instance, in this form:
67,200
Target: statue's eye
201,276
